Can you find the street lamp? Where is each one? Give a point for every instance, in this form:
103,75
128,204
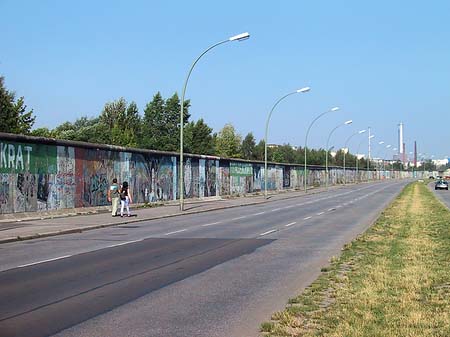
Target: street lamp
239,37
326,148
306,137
345,147
378,161
299,91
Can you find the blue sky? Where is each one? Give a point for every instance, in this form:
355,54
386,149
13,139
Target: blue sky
382,62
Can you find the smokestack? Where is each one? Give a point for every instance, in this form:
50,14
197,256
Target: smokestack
400,141
415,154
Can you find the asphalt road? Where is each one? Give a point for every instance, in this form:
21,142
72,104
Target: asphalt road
443,195
219,273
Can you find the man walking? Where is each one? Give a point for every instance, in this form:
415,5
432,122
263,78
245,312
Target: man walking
113,196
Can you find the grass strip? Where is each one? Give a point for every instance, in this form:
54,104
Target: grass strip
394,280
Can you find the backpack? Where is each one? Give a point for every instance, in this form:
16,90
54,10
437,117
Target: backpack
123,194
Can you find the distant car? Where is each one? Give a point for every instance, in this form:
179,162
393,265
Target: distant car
441,185
430,177
438,177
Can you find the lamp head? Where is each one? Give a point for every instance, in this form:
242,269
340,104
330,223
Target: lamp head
336,108
305,89
348,122
371,136
380,142
361,131
240,37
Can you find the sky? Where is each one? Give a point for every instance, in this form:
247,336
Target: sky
382,62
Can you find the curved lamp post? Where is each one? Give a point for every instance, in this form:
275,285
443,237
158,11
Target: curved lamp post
238,37
384,160
357,159
327,149
378,162
302,90
345,147
306,138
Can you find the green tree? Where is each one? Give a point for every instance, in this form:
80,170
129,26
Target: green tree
43,132
248,147
14,117
122,122
198,138
84,129
259,150
161,127
153,123
132,127
228,142
283,154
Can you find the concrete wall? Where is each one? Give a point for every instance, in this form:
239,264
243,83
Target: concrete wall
39,174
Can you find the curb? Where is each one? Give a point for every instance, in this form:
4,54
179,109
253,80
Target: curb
87,228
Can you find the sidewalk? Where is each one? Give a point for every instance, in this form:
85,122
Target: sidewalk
36,225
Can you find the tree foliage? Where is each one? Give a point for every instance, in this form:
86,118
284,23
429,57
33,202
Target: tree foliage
161,124
14,117
198,138
228,142
120,123
249,147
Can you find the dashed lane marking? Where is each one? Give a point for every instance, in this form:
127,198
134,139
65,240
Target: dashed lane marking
181,230
290,224
211,224
307,218
239,217
268,232
43,261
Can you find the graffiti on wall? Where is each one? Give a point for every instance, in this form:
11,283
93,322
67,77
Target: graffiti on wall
286,177
41,177
211,178
241,178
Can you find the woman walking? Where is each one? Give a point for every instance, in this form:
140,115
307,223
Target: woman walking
125,198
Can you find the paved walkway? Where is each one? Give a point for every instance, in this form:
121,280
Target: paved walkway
34,225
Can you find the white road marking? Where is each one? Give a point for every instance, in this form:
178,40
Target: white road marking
320,213
181,230
307,218
275,209
211,224
331,209
124,243
43,261
290,224
259,213
268,232
239,217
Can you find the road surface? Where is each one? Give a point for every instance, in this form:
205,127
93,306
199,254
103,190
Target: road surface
215,274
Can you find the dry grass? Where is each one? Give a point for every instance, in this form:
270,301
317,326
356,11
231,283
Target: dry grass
392,281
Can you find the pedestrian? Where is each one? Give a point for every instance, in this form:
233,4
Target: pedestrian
113,196
125,198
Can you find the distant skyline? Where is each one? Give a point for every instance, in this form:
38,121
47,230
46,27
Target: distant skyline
381,62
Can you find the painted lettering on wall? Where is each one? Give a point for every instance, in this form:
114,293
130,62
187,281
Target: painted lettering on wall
15,157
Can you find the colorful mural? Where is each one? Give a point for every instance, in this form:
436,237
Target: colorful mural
36,176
